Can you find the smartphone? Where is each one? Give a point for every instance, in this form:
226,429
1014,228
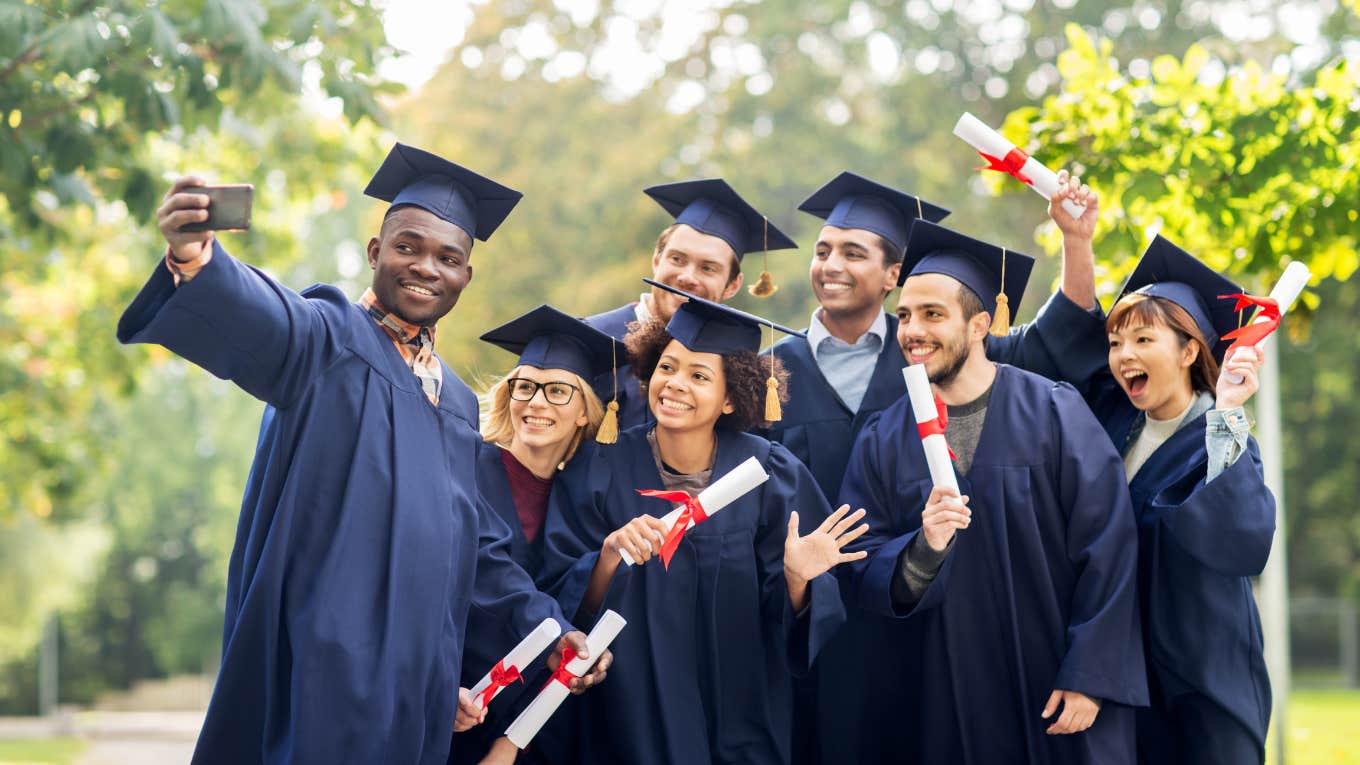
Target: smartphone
228,207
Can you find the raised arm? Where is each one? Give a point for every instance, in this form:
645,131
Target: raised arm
230,318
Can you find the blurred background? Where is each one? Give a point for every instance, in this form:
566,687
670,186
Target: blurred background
1229,126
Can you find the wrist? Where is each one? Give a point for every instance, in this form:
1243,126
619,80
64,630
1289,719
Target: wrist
794,577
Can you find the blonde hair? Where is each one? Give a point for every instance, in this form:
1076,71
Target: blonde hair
495,413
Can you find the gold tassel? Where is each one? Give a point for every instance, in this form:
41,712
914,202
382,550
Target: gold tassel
609,426
773,412
765,286
1001,317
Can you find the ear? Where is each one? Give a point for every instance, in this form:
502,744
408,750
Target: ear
469,273
727,407
374,245
1189,354
890,277
733,286
978,326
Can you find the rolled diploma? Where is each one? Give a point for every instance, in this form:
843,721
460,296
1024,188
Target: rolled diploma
534,716
1287,289
721,493
521,655
988,141
923,405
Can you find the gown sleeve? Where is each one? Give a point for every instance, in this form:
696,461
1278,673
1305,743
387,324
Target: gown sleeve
1228,523
791,487
241,325
1064,342
1104,657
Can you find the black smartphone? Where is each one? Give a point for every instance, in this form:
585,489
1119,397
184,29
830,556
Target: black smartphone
228,207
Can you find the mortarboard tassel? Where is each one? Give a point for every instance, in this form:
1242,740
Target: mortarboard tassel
773,412
609,426
1001,318
765,286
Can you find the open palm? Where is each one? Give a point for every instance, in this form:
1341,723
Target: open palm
808,557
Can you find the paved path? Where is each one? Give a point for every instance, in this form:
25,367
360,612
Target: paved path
117,738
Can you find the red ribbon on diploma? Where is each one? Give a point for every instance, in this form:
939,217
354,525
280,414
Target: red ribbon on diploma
1255,332
500,677
1012,164
936,426
692,513
562,674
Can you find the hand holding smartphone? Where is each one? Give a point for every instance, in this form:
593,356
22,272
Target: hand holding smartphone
228,207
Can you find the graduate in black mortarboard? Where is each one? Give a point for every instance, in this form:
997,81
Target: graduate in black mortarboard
1205,517
741,601
700,252
1007,619
537,416
365,563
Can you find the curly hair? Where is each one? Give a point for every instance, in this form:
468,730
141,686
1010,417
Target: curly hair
745,373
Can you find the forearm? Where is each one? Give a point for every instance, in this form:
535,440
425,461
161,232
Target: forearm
606,565
798,590
1078,271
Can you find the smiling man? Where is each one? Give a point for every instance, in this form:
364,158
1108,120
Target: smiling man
1007,614
700,253
364,558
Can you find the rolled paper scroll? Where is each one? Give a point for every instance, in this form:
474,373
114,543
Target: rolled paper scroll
1005,157
536,715
1287,290
508,669
721,493
928,423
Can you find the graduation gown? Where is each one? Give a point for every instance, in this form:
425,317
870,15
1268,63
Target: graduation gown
633,408
701,673
1038,594
1198,546
820,429
361,546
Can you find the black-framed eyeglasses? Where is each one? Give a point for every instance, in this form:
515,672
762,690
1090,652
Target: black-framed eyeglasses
555,393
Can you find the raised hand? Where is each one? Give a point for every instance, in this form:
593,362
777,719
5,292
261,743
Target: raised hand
808,557
945,513
1071,187
178,209
1244,364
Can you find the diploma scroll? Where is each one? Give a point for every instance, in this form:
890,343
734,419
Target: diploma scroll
1004,156
536,715
721,493
508,670
1287,290
923,406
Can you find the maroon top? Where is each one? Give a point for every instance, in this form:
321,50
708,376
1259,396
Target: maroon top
530,493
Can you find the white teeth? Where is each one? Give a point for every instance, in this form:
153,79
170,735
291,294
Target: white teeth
834,287
417,290
1129,374
539,421
920,351
671,404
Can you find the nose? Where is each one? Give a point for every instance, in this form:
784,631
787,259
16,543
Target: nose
834,263
423,267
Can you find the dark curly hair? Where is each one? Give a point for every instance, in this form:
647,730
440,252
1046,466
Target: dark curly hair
745,373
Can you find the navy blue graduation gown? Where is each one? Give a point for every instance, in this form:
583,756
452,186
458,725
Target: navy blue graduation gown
361,547
1038,594
633,409
702,671
820,429
1198,546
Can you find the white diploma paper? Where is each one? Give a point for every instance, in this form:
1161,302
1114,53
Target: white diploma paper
1287,289
988,141
719,494
923,405
522,655
534,716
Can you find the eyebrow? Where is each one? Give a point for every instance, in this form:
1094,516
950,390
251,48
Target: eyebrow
924,306
676,362
408,233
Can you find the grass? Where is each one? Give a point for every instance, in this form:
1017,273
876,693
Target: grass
1324,728
27,751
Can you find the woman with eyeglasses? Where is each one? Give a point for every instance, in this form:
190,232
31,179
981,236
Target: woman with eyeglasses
534,420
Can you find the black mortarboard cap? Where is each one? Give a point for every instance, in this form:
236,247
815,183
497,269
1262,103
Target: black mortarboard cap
852,201
934,249
547,338
708,327
712,207
472,202
1167,271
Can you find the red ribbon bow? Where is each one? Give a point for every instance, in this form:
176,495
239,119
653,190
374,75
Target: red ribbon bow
692,513
1012,164
562,674
936,426
1256,331
500,677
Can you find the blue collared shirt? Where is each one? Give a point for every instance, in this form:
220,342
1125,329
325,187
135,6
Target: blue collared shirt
847,366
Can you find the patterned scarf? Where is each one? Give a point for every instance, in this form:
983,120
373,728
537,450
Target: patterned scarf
416,345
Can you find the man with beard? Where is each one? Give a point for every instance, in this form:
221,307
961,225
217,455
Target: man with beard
1015,640
700,253
365,562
